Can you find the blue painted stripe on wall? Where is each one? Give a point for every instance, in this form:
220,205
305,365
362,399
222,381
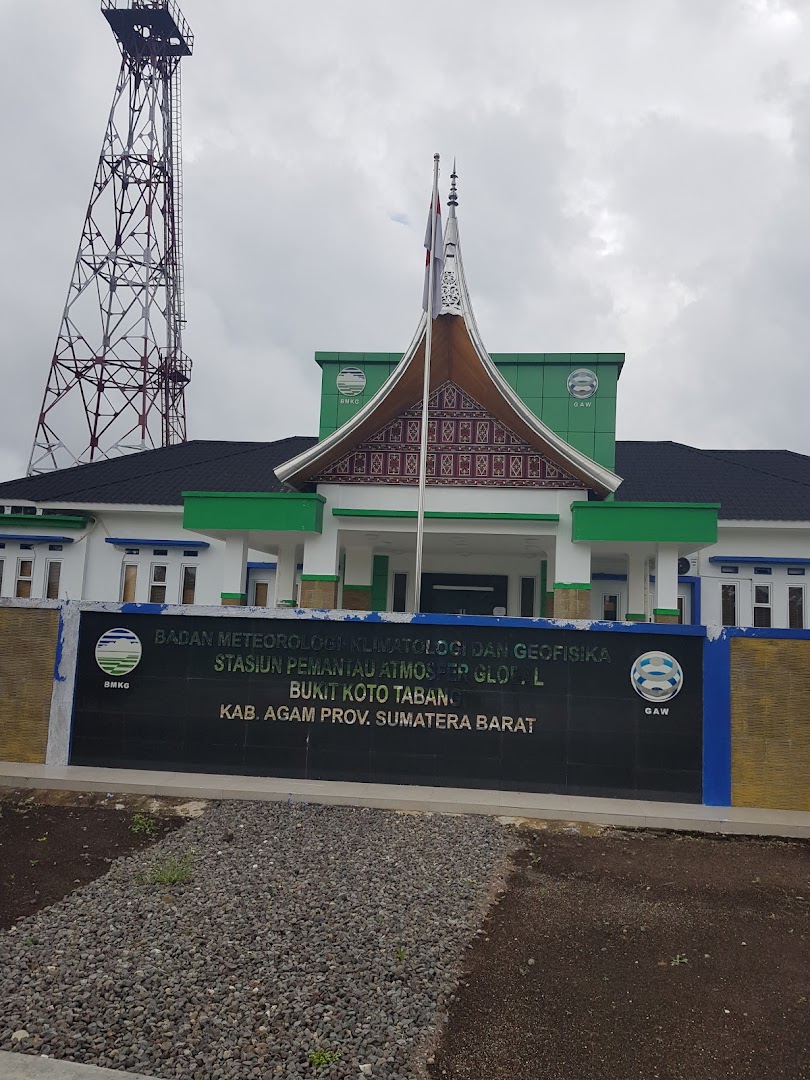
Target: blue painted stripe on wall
717,721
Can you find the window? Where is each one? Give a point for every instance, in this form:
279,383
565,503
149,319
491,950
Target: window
54,547
129,581
728,592
527,597
764,570
157,584
53,572
610,606
190,554
26,547
189,584
132,551
160,551
762,605
793,571
400,597
260,593
796,607
726,569
681,610
25,572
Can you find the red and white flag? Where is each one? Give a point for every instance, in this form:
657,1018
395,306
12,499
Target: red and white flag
438,261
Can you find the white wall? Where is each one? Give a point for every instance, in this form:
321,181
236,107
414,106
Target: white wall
760,540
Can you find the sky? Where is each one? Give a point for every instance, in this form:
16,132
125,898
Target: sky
634,177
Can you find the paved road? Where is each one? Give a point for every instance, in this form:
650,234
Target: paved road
27,1067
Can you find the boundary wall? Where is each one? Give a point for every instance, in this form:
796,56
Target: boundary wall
756,688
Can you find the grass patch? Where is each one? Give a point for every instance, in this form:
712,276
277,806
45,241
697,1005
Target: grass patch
174,871
319,1059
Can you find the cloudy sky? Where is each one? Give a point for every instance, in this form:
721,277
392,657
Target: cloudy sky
634,175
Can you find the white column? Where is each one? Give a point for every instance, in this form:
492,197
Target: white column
572,562
666,579
321,553
9,561
234,568
285,573
637,585
359,566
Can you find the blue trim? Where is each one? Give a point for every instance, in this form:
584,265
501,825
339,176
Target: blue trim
763,560
608,577
138,541
262,565
26,538
694,581
717,720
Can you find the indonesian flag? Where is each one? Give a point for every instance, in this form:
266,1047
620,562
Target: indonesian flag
438,260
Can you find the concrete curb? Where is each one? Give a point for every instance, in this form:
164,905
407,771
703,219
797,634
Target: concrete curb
30,1067
626,813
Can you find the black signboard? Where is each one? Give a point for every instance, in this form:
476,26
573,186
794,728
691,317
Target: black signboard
515,707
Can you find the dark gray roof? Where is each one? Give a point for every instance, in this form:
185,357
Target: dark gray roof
750,485
759,485
159,477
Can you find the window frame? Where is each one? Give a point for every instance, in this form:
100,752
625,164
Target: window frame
758,605
735,586
48,564
153,584
802,591
123,586
20,579
183,568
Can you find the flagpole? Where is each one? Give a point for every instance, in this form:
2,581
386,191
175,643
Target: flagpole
420,510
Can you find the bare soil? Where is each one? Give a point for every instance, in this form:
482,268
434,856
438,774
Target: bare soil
639,955
51,842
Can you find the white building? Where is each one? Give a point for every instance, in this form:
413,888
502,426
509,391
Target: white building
533,508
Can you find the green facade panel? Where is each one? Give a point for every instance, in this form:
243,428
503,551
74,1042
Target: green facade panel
379,583
238,511
627,522
539,379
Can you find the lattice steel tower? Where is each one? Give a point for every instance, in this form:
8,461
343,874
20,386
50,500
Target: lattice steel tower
118,375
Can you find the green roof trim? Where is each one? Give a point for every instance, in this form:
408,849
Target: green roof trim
444,515
48,521
629,522
246,511
320,577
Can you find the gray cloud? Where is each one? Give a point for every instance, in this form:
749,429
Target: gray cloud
632,176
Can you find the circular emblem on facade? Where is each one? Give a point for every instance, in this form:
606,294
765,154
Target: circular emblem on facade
351,381
118,651
582,383
656,676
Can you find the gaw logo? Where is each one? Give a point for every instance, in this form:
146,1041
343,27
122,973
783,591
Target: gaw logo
351,381
118,651
656,676
582,383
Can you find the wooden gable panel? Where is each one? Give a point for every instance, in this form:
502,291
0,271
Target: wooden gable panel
466,446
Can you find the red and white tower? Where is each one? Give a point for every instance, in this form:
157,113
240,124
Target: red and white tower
118,376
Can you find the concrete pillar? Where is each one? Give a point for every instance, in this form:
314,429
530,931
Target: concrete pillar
234,571
666,584
285,574
636,586
319,580
572,579
358,573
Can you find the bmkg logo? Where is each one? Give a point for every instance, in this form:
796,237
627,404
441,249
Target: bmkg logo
118,651
582,384
351,381
656,676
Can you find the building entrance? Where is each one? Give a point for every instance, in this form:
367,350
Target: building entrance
464,594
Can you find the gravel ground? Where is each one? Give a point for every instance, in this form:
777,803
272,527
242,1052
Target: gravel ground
308,942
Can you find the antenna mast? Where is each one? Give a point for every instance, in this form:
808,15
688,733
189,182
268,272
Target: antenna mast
118,375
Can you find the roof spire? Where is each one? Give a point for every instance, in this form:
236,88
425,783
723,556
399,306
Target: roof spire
453,197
